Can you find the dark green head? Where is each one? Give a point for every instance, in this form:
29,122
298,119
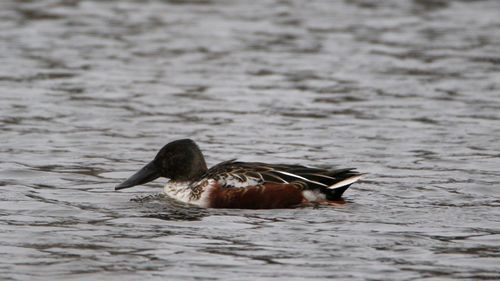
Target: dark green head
180,160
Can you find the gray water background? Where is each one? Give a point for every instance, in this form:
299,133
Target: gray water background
407,91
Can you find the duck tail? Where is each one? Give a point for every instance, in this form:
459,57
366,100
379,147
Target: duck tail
336,190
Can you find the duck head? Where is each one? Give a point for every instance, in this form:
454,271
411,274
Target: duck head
180,160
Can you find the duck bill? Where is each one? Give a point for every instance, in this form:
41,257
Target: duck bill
148,173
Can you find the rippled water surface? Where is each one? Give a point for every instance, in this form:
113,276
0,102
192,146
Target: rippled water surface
407,91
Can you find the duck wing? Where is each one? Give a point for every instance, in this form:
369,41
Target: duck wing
234,174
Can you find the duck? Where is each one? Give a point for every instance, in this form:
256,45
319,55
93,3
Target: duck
240,185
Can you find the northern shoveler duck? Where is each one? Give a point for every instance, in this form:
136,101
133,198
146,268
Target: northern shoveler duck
243,185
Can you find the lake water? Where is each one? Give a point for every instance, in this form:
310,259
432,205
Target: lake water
406,91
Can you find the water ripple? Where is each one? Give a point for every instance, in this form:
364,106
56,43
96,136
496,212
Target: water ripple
406,91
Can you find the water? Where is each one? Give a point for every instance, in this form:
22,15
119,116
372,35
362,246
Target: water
407,91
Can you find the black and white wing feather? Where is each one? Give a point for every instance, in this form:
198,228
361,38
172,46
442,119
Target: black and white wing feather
233,174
